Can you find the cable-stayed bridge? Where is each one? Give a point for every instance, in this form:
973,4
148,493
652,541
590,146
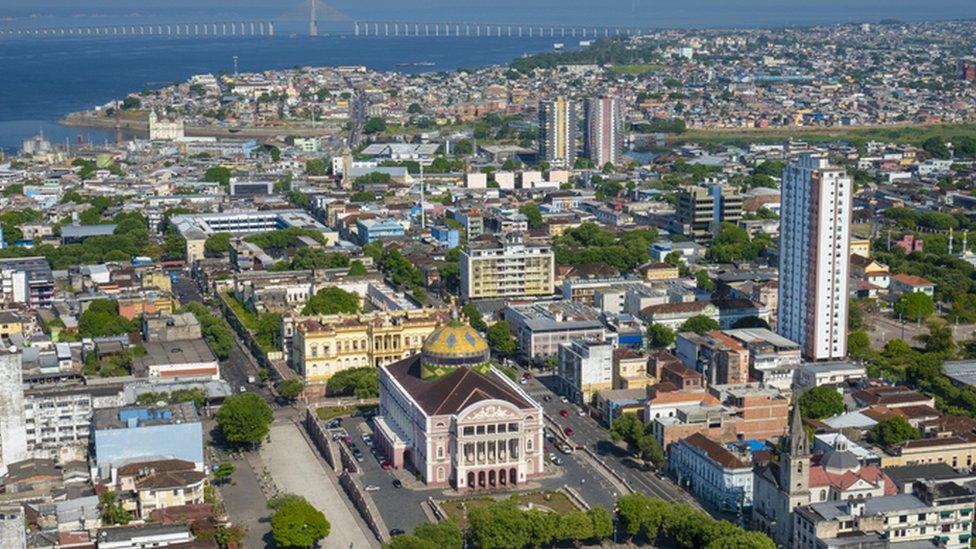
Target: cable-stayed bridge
316,14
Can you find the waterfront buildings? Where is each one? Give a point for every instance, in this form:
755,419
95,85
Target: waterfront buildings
814,257
604,131
455,419
506,266
165,128
557,132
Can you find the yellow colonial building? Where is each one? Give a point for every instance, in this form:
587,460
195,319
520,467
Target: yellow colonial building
324,345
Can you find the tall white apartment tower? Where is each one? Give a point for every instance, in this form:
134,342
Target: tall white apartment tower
813,257
604,131
13,423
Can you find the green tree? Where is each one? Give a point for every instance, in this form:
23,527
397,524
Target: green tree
750,322
858,345
102,318
474,317
660,336
298,524
444,534
892,431
223,472
541,527
821,402
699,324
331,300
289,389
316,167
704,282
363,382
500,338
375,124
218,243
939,339
498,525
650,450
111,509
601,521
914,306
218,174
574,527
356,268
244,418
531,211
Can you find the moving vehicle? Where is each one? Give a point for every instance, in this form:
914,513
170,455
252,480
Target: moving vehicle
568,431
397,483
564,412
372,488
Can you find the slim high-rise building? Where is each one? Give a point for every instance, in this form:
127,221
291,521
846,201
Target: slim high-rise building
13,423
604,131
557,132
813,257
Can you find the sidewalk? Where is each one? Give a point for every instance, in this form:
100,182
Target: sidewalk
297,470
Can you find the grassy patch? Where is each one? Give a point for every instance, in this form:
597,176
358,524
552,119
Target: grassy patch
914,134
636,68
329,412
247,318
557,502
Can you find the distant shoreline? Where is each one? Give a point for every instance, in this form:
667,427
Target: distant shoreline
82,120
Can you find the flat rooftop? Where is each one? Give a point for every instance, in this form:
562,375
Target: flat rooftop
131,417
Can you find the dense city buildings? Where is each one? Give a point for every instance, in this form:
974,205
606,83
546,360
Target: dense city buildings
814,257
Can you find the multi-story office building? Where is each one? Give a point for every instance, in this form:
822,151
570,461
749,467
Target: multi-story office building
196,228
700,210
813,257
585,368
604,131
507,266
134,433
557,132
540,328
27,280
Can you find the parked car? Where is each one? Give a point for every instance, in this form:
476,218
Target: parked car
568,431
372,488
563,399
565,448
581,412
385,465
397,483
395,532
564,412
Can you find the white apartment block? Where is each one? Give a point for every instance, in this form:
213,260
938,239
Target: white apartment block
814,247
585,368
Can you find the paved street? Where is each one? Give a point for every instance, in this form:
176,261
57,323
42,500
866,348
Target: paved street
296,469
588,432
245,504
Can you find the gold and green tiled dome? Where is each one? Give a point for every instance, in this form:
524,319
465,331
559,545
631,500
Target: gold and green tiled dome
453,345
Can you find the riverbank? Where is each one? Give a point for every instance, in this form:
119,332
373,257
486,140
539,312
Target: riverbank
85,120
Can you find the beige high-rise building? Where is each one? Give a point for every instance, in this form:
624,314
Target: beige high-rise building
328,344
507,266
557,132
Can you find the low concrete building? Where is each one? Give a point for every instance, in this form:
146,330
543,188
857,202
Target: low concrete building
178,359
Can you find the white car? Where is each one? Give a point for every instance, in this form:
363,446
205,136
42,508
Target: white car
372,488
563,399
581,412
